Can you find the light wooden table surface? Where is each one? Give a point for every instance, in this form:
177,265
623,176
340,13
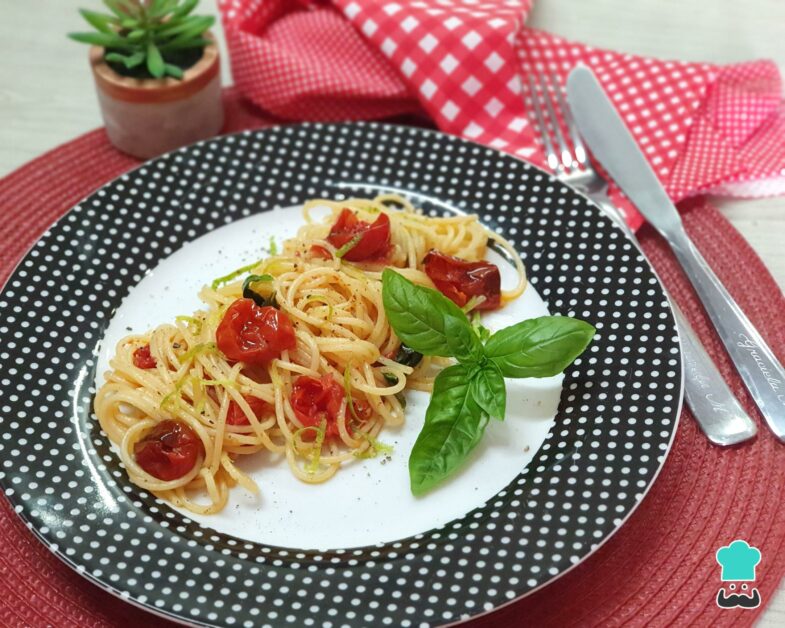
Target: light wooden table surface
47,97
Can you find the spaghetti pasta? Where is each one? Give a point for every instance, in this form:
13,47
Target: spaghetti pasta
324,398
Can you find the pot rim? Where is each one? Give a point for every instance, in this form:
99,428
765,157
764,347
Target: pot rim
152,90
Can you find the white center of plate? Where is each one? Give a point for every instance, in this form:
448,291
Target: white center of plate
367,501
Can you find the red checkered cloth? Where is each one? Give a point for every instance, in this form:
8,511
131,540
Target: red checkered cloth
704,128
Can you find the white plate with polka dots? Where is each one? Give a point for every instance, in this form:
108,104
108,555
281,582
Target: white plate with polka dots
554,481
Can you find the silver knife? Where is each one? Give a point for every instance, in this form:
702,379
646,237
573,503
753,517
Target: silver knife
614,147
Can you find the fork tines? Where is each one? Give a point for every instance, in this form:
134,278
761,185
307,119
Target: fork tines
563,155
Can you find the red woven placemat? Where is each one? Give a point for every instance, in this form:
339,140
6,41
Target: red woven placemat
658,569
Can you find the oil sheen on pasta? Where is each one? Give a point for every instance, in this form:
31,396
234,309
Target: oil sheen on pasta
341,331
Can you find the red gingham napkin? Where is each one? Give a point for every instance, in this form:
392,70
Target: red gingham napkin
704,128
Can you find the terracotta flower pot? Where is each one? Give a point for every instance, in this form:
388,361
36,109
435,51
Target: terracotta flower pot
148,117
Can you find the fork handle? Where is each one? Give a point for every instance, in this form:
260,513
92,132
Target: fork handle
762,373
713,405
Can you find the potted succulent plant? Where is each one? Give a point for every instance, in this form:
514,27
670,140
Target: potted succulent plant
157,74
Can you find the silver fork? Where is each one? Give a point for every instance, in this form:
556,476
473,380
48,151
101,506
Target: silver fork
713,405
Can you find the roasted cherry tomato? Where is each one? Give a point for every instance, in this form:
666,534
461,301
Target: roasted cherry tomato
316,400
169,450
319,251
235,415
253,334
374,238
142,358
460,280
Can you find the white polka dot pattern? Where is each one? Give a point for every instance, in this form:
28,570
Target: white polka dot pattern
615,421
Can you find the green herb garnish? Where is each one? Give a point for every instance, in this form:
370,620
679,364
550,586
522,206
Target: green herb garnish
466,394
249,293
226,383
390,378
347,389
205,347
190,320
348,246
173,398
408,356
235,273
273,246
376,447
317,447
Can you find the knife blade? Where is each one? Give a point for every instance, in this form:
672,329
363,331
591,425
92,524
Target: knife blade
614,147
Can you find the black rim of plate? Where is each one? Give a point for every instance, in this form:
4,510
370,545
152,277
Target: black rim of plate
616,419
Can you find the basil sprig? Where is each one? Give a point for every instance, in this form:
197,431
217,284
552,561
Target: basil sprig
426,320
467,394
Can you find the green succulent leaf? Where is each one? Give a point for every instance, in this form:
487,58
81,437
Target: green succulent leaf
159,8
199,42
155,62
102,39
188,27
129,61
123,8
136,35
173,70
146,32
130,23
100,21
185,8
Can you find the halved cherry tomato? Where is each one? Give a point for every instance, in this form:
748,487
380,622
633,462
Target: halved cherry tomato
316,400
142,358
253,334
235,415
460,280
374,242
319,251
169,450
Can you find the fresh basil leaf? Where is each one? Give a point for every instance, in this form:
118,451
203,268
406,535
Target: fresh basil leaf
538,347
418,315
489,390
464,344
483,333
454,424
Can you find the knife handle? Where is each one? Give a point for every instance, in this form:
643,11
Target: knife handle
760,370
712,403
